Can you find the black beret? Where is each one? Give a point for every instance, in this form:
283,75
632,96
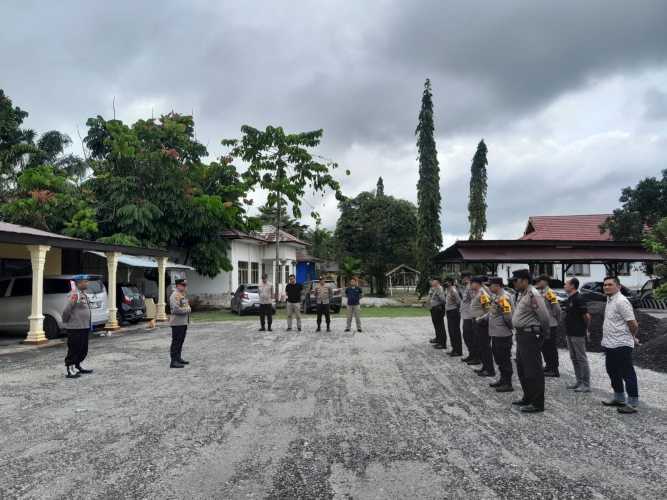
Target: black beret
181,281
496,280
466,274
522,274
478,279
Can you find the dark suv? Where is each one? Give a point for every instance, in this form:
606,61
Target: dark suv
130,303
593,292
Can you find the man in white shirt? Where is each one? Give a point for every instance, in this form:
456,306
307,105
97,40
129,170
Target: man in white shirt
619,337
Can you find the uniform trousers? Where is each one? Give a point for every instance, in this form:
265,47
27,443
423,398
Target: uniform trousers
502,354
529,367
469,338
323,310
438,320
77,346
454,328
618,362
265,315
178,333
550,350
483,343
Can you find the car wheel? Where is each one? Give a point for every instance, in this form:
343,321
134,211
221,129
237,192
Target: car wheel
51,329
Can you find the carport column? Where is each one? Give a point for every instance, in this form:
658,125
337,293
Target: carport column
161,314
112,266
36,318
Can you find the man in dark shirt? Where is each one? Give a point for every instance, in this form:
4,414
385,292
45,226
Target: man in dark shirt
293,292
577,320
353,294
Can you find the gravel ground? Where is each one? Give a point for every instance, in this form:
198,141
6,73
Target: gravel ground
304,415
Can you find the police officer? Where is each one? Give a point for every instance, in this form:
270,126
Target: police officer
179,320
531,321
480,307
452,312
500,331
550,346
436,300
78,323
466,314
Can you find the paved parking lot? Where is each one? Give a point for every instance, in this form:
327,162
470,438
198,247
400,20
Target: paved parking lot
289,415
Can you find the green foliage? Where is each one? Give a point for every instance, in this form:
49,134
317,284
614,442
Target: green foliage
350,267
269,214
429,230
379,191
322,243
477,197
380,231
656,241
642,206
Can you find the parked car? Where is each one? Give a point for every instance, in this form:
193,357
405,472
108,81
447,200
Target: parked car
16,300
592,292
130,302
246,299
646,291
308,304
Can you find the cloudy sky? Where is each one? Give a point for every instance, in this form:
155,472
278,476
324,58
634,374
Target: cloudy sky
570,96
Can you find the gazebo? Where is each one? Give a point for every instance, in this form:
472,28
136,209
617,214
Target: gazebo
402,277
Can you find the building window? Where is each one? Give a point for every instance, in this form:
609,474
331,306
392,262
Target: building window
624,269
263,269
544,268
579,270
287,273
254,272
243,272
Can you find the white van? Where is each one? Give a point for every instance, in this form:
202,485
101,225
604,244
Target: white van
16,299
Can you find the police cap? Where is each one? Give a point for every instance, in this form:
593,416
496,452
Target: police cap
478,279
522,274
181,281
496,280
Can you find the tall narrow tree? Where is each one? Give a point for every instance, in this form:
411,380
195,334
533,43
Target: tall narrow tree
477,197
380,188
429,231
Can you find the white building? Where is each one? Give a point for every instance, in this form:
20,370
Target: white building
251,255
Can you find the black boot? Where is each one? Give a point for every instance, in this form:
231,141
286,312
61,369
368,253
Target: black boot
83,371
176,364
183,362
497,383
71,372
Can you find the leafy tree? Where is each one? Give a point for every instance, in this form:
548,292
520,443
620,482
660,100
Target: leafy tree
322,243
429,230
378,230
477,199
379,191
350,267
656,242
283,165
642,207
269,214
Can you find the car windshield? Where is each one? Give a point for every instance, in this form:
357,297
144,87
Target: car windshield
95,286
252,289
130,290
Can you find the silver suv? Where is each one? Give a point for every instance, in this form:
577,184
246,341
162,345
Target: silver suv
16,298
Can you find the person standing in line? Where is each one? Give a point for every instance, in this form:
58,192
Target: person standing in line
577,322
265,303
353,294
293,293
500,331
323,296
531,320
436,302
480,307
619,337
179,320
550,345
452,307
78,323
466,315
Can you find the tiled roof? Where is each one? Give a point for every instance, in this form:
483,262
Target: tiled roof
267,234
6,227
566,227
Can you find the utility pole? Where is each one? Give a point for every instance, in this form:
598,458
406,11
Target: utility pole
276,264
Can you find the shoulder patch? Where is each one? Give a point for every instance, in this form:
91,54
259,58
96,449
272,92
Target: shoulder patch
505,305
551,297
484,299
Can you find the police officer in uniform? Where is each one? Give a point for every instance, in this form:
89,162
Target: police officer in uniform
453,315
179,320
550,346
500,331
480,307
531,321
436,300
466,315
77,318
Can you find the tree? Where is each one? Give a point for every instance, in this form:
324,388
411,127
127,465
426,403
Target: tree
322,243
350,267
379,231
429,230
269,214
379,191
477,197
642,207
283,165
656,241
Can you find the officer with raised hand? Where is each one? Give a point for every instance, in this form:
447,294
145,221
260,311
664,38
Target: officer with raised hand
466,315
77,318
480,308
531,320
550,345
180,318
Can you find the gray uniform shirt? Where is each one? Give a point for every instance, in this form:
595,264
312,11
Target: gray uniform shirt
180,309
265,293
551,300
323,294
466,302
480,303
530,310
77,316
453,298
436,297
500,316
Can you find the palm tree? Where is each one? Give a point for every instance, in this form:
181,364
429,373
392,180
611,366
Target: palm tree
349,267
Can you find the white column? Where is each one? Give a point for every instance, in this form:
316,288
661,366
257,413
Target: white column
161,286
36,318
112,266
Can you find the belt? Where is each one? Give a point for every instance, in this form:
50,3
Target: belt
529,329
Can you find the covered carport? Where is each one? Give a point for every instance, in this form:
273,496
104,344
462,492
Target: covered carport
491,253
47,252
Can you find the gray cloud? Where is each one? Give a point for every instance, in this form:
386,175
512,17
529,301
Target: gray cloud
655,101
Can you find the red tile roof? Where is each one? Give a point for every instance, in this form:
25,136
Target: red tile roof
267,235
566,227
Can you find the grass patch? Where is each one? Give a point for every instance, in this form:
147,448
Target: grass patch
366,312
